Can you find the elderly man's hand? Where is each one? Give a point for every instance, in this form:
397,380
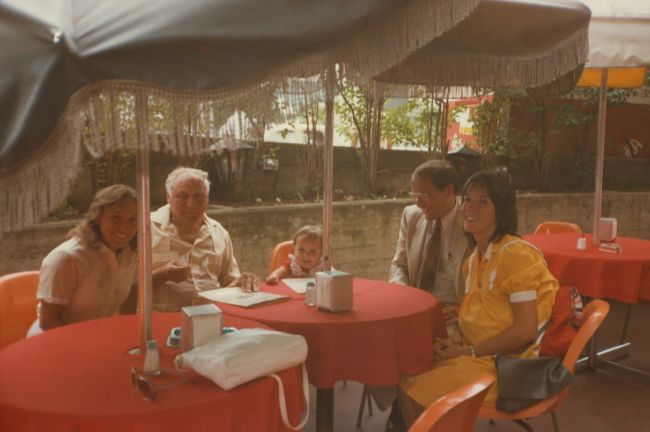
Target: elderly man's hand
176,271
248,282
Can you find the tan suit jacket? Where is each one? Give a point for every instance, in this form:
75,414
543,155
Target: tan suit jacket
409,253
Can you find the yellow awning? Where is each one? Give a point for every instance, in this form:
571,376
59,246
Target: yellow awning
616,77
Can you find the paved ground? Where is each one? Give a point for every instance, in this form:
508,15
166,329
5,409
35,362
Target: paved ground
600,401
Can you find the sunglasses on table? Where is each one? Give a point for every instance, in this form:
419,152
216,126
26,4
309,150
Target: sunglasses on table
144,384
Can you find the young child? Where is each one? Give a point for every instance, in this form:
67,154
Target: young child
305,260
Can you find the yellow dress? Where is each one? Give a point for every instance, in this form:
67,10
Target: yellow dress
510,271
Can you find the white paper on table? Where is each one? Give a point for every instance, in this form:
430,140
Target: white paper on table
235,296
299,285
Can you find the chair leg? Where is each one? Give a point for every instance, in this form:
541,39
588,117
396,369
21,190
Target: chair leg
628,312
365,395
524,425
369,399
556,424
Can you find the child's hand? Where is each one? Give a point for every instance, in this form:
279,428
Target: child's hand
271,279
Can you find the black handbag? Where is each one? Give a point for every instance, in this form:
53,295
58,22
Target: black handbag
525,381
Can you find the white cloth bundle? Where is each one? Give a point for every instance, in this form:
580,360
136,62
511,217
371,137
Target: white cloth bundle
244,355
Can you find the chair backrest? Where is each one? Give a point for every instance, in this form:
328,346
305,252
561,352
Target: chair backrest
562,328
593,316
17,305
558,227
456,411
280,254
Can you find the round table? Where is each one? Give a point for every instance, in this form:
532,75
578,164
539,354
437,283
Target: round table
621,276
388,334
77,377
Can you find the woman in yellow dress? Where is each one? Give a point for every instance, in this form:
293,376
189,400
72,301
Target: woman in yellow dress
509,293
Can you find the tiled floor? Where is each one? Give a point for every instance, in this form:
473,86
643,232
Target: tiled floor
599,401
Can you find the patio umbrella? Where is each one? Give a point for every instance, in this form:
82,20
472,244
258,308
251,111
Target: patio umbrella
66,66
62,63
619,52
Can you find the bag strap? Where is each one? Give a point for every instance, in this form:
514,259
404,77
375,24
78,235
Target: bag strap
283,401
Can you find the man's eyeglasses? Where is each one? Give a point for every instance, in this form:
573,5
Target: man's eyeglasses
419,195
144,385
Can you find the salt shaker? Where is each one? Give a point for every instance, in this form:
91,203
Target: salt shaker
310,294
152,358
582,244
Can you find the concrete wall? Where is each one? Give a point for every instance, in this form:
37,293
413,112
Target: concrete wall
364,232
393,178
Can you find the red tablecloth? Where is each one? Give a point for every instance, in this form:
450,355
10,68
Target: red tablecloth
387,334
77,378
620,276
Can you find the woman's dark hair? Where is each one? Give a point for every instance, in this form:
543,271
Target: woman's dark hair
503,197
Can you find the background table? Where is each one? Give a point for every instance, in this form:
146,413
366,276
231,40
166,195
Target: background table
623,277
77,378
387,334
620,276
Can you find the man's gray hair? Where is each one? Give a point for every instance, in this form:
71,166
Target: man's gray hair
191,173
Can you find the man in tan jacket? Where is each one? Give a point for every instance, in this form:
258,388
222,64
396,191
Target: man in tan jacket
431,248
433,188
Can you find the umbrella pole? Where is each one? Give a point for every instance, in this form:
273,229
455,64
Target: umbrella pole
600,155
144,226
328,166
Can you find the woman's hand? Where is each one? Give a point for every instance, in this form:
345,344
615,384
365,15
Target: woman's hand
450,313
445,349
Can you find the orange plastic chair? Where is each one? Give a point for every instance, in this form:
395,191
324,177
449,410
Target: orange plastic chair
280,254
456,411
558,227
17,305
594,314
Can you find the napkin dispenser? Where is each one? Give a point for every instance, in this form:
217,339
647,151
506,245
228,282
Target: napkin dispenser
607,229
200,324
334,291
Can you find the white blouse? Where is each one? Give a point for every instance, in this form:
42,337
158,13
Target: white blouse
91,283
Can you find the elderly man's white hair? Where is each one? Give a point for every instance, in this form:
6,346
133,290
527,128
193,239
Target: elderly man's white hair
189,172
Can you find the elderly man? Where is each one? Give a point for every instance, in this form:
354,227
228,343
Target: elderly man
191,252
431,248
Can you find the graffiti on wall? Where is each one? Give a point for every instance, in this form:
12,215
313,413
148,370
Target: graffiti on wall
632,147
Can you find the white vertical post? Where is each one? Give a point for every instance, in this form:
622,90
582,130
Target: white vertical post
144,224
328,166
600,155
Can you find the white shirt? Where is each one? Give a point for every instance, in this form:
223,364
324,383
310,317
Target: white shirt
210,255
446,230
90,282
445,289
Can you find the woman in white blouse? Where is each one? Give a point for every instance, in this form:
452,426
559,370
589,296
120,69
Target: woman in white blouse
91,275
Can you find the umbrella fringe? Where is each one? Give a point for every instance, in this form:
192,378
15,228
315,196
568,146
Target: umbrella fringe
539,71
103,115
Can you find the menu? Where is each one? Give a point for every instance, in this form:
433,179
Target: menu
235,296
299,285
